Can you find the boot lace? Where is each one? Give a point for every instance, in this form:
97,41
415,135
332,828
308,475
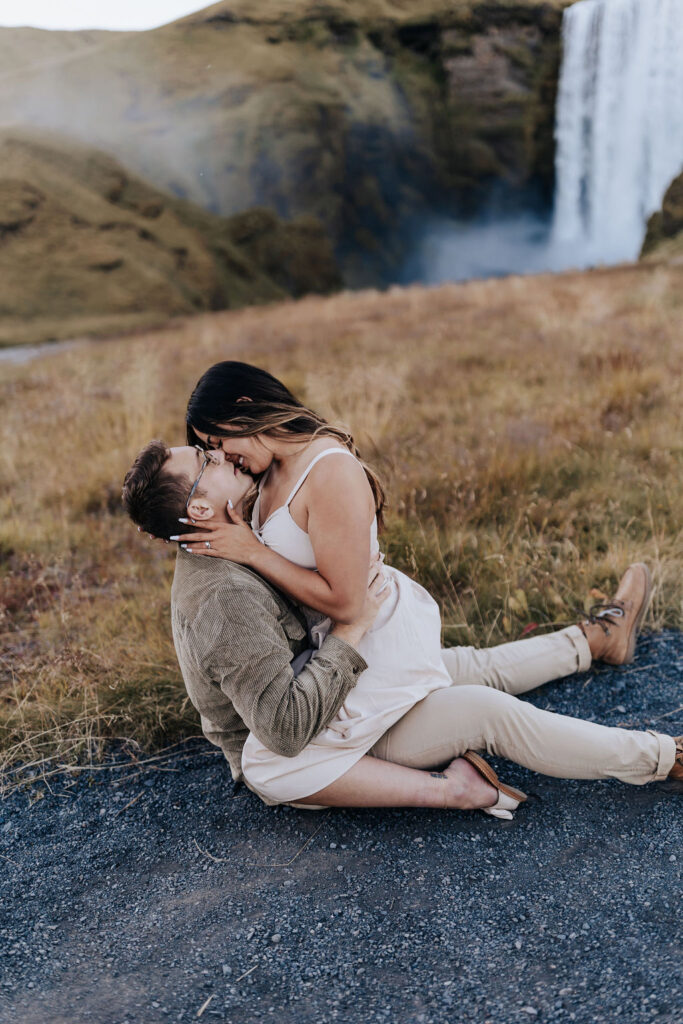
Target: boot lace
604,615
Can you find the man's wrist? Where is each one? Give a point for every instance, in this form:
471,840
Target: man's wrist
346,655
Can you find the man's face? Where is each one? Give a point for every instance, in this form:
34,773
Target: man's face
221,481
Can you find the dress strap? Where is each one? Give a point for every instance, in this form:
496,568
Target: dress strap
311,464
256,509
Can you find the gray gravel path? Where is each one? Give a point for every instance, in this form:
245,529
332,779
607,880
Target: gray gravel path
172,895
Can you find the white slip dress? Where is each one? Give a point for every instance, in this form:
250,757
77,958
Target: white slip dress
402,651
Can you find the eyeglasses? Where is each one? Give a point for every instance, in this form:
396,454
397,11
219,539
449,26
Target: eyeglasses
209,456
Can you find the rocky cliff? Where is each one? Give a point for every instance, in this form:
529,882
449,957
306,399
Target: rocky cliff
664,237
87,247
362,114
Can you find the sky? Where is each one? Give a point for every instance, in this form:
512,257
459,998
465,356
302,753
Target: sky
118,14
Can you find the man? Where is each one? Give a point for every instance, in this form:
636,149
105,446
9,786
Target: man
242,649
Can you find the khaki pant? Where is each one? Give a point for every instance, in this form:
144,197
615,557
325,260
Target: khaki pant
481,712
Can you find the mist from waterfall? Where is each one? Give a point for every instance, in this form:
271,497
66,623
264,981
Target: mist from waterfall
619,137
619,124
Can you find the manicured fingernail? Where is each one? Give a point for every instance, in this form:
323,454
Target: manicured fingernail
184,546
174,538
183,520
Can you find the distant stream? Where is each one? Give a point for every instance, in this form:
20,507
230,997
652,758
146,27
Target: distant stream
16,355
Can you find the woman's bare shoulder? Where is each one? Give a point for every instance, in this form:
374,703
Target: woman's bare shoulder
338,477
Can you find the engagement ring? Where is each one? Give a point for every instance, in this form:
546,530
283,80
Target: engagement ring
207,543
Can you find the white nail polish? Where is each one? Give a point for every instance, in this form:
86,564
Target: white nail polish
174,538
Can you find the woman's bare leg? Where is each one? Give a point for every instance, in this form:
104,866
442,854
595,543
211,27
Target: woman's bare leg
375,783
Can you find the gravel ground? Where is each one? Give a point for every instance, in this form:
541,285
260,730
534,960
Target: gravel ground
172,895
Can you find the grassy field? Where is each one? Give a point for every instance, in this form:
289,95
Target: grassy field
529,432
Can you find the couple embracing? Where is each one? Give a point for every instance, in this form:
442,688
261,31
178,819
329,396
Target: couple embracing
317,668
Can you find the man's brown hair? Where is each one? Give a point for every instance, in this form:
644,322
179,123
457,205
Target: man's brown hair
153,497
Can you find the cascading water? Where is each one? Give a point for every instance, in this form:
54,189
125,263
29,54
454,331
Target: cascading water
619,134
619,126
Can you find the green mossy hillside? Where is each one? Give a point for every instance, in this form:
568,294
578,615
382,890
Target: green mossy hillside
88,248
361,11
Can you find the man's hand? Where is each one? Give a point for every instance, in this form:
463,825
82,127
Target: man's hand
376,594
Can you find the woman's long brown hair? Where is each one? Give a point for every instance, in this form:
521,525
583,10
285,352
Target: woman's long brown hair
218,402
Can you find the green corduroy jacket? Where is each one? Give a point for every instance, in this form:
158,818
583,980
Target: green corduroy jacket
235,637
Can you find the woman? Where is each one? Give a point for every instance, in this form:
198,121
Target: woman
314,532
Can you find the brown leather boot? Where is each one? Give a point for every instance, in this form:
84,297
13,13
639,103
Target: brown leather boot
611,628
676,773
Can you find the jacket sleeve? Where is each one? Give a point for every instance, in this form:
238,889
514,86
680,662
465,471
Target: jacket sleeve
251,662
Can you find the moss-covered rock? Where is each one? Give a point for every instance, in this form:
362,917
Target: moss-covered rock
486,91
86,247
664,236
361,113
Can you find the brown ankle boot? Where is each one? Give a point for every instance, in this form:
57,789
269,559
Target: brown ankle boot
676,773
611,628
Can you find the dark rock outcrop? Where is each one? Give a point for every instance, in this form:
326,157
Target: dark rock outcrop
664,236
88,248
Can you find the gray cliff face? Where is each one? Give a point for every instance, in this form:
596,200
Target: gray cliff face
482,89
360,115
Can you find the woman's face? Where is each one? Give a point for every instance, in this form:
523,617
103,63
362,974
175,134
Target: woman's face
251,454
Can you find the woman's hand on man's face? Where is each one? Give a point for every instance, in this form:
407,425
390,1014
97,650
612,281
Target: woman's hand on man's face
234,540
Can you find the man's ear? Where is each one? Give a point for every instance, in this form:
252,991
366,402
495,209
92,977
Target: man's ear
200,510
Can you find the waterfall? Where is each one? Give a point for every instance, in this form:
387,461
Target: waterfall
619,125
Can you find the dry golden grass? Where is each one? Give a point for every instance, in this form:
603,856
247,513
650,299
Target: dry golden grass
529,431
